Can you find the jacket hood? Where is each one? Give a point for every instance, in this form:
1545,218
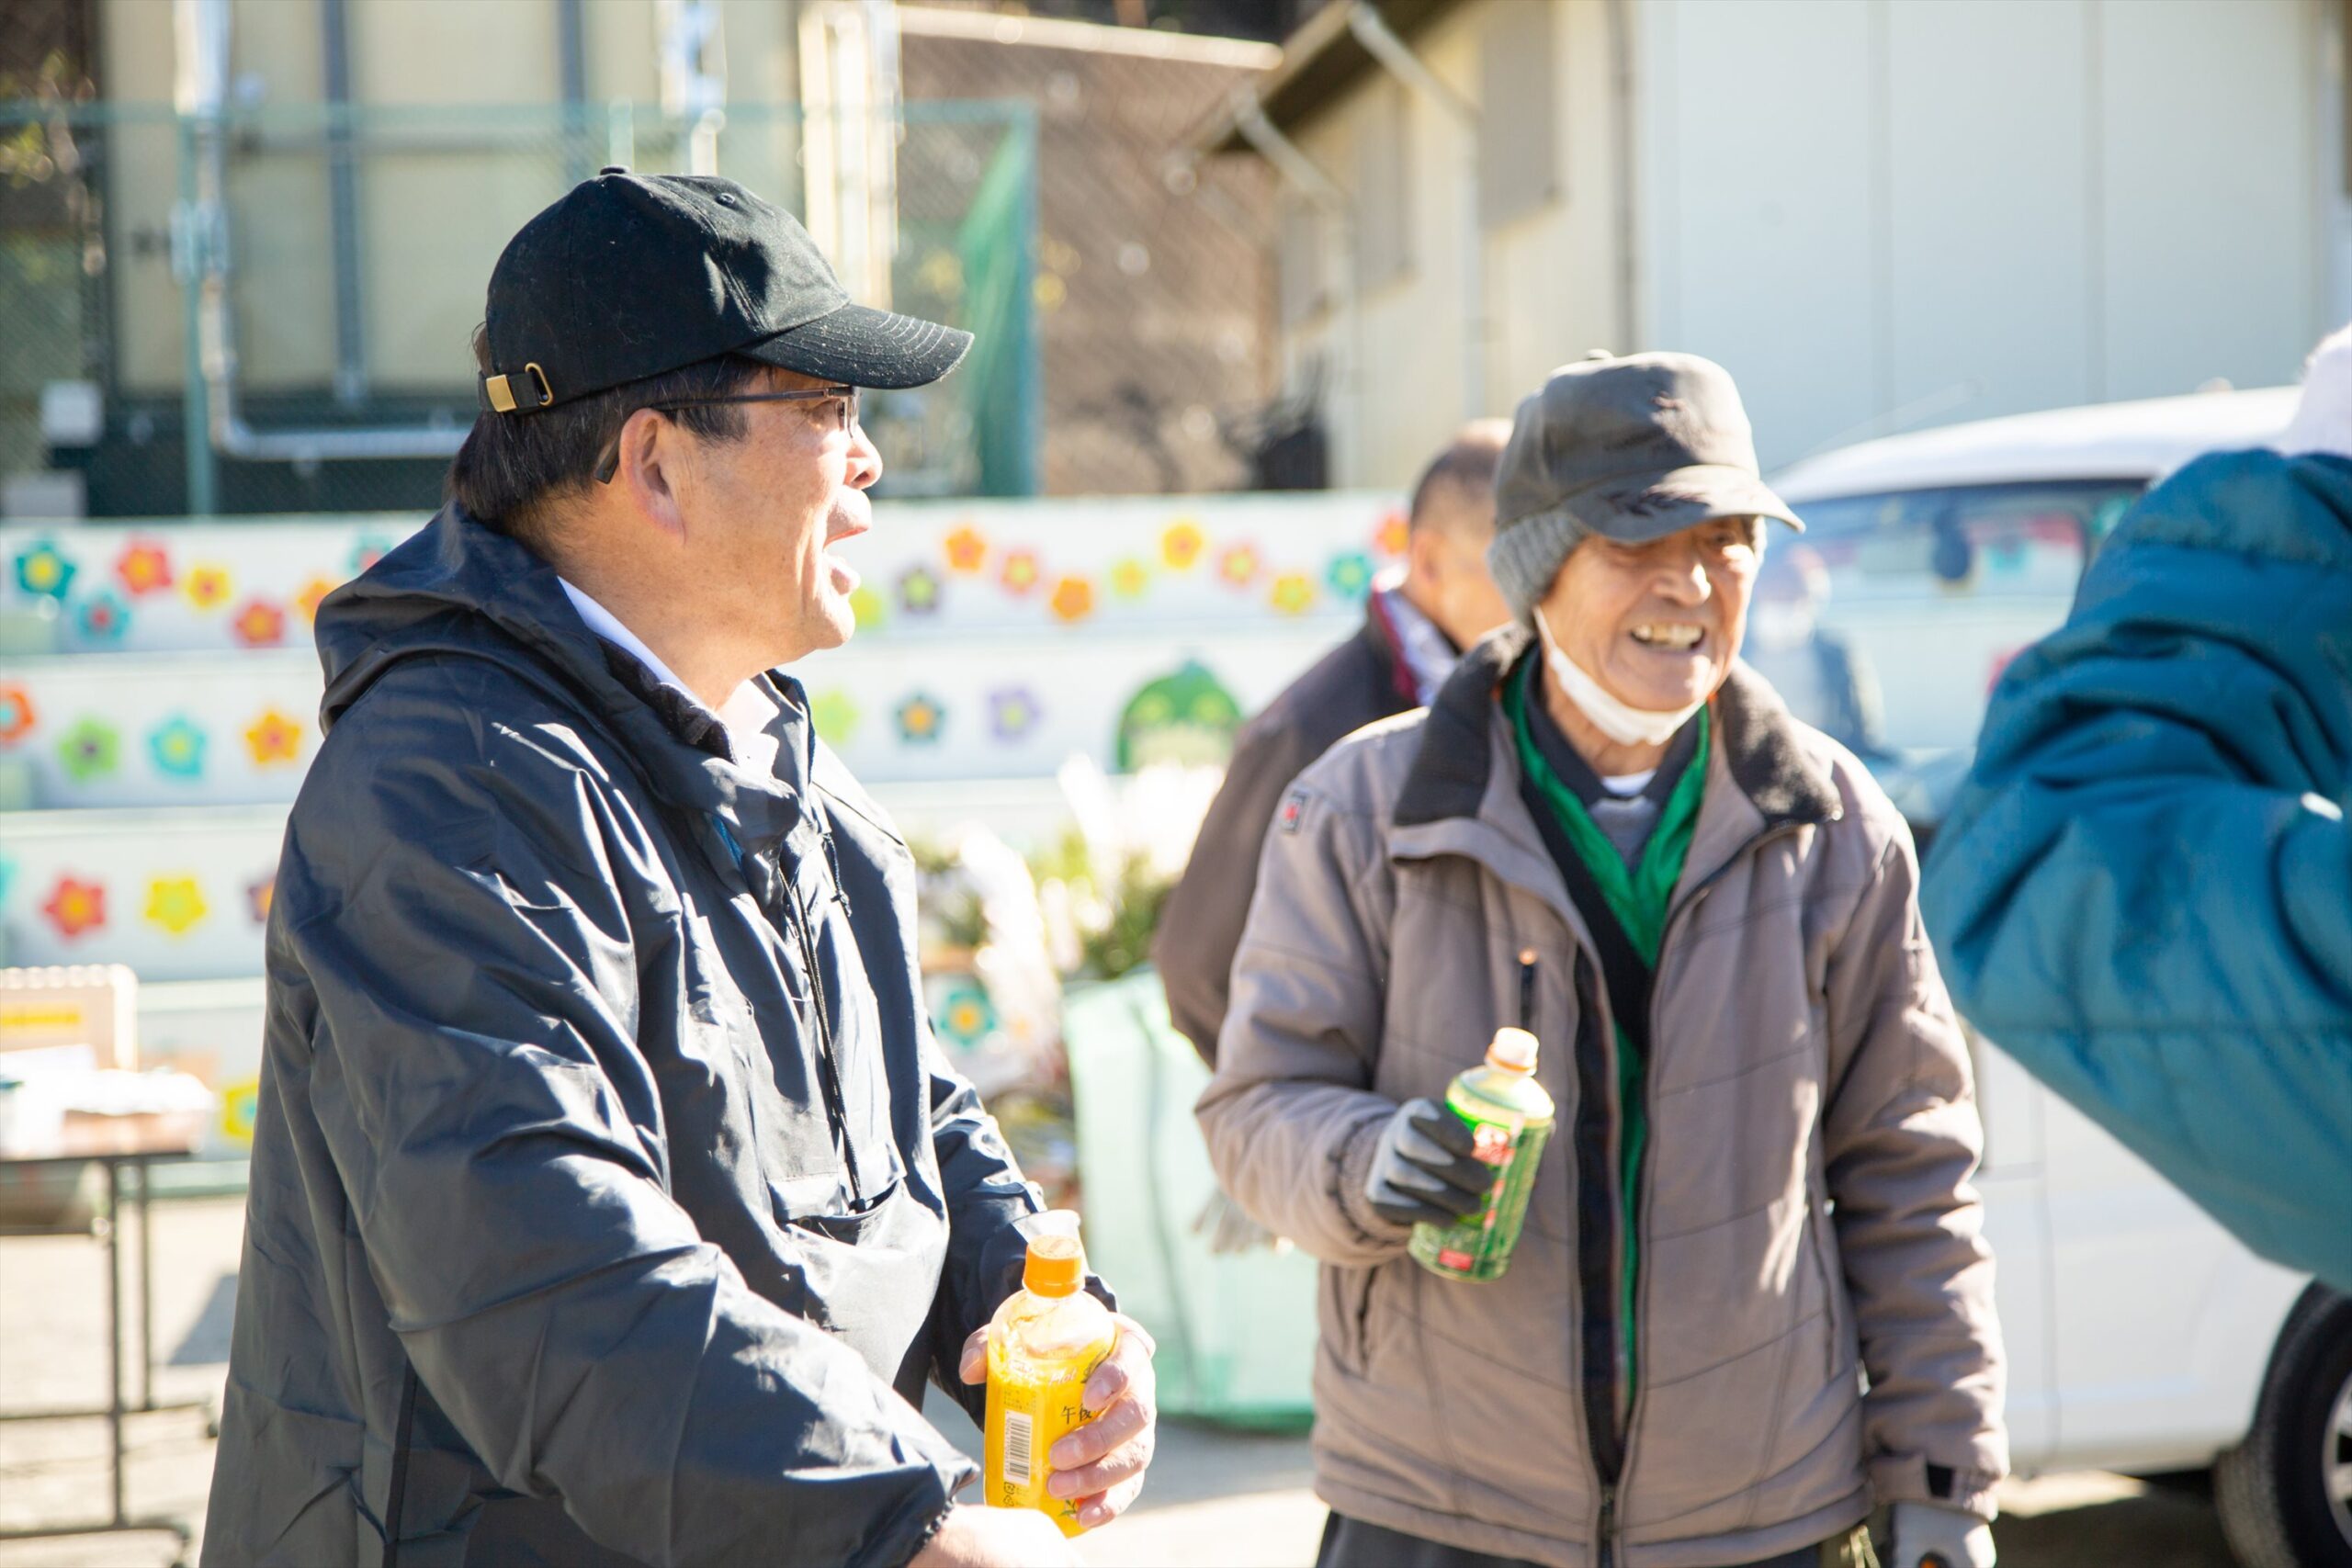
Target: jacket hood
458,589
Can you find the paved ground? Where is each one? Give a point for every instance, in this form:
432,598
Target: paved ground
1216,1498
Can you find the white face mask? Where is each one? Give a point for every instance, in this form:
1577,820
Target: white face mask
1620,721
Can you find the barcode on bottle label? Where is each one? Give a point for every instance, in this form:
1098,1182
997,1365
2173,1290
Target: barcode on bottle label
1017,1430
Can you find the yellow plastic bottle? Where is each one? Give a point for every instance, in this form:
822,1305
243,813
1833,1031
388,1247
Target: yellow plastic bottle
1043,1343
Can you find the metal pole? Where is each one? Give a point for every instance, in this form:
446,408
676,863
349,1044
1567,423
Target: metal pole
114,1327
572,58
1266,138
343,207
1630,336
146,1286
190,234
620,133
1033,370
1400,61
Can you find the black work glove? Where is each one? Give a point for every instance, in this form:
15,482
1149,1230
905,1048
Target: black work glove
1423,1171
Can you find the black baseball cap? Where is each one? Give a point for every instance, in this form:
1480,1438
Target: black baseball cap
629,276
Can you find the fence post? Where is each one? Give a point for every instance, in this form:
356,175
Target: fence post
1032,373
189,260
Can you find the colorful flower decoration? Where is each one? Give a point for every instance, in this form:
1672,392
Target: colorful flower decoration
176,904
259,894
367,550
206,586
90,749
313,594
16,716
1390,538
921,719
835,714
177,746
143,566
1021,572
1294,593
1238,566
965,1016
1130,578
75,906
1350,574
1182,544
1073,600
275,738
240,1108
1013,712
259,624
103,617
866,608
967,549
44,572
918,592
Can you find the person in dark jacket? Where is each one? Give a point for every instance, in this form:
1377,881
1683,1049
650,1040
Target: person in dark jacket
2144,892
611,1199
1416,626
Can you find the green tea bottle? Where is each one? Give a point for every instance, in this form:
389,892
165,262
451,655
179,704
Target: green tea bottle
1510,1115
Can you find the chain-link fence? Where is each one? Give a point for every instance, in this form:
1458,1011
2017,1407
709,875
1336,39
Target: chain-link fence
269,309
1154,285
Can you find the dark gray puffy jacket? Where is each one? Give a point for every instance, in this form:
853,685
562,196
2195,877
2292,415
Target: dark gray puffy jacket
611,1198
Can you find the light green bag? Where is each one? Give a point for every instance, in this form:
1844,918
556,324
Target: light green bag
1237,1330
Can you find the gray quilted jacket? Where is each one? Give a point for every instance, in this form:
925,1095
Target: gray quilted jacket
1804,1213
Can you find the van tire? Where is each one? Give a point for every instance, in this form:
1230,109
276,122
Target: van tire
2270,1489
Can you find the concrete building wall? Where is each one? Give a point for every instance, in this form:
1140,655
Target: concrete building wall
1878,215
1550,275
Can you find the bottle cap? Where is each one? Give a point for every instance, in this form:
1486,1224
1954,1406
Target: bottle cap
1513,1051
1057,1266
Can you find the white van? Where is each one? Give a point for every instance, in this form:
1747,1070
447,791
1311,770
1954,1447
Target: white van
2142,1337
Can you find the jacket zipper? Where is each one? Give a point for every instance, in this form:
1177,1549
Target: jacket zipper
782,899
828,1077
1596,1251
1636,1389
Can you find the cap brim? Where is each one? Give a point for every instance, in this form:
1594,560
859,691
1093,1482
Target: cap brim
865,347
1659,504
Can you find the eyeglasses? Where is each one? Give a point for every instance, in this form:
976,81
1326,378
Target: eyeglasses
846,395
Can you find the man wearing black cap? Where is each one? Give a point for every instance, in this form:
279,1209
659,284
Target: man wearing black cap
611,1201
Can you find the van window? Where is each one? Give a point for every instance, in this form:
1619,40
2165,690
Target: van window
1886,623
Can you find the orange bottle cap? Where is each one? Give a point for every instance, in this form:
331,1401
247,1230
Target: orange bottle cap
1513,1051
1057,1266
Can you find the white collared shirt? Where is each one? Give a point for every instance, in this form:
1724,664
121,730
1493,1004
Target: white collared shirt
747,713
1429,656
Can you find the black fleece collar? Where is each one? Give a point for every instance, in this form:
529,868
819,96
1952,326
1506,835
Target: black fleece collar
1761,745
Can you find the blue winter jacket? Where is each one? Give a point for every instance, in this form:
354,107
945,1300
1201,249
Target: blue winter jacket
2144,893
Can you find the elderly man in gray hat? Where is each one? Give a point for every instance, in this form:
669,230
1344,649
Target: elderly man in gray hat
1759,1190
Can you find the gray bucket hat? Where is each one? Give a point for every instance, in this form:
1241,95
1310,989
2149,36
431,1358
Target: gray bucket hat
1631,449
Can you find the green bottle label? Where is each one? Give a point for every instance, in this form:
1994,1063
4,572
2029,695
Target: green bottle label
1479,1247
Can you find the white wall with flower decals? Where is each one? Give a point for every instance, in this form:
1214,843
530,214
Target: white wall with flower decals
995,638
159,696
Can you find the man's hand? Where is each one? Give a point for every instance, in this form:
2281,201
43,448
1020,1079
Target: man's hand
1425,1170
1928,1534
1101,1462
997,1537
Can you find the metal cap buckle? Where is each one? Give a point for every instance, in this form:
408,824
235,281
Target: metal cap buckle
499,391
